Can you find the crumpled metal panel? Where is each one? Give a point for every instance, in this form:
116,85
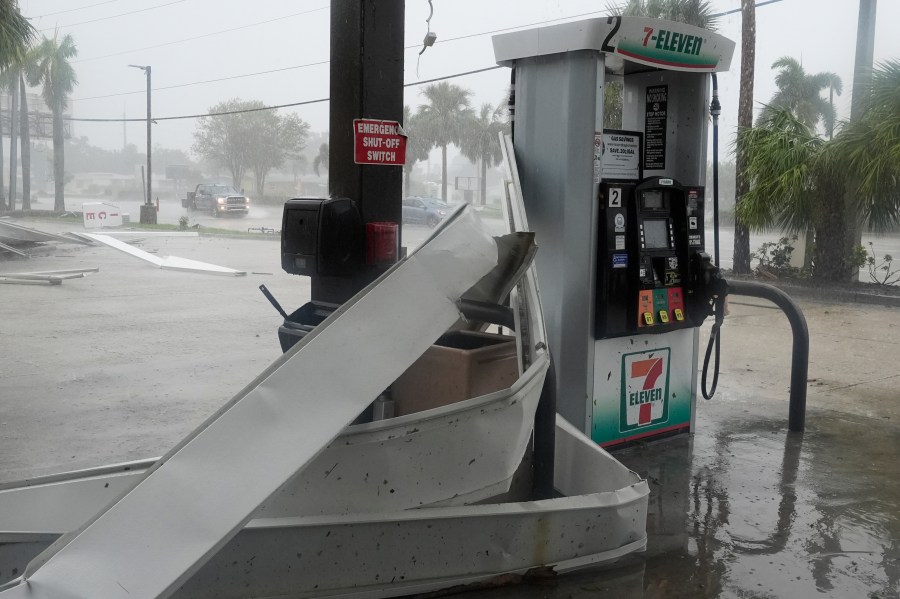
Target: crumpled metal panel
386,555
601,517
11,233
454,455
168,262
206,489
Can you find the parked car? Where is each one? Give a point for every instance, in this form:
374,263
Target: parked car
425,211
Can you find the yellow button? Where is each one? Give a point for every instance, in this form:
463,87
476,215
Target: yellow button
663,316
648,318
679,315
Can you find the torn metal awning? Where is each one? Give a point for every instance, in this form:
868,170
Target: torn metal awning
12,233
46,277
167,262
196,498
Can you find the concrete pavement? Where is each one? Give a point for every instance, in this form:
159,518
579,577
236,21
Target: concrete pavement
122,364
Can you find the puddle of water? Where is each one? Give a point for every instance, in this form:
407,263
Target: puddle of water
745,510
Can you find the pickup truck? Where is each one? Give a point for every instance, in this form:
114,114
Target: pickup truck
217,199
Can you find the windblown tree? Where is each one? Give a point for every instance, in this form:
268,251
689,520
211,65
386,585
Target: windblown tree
801,93
443,120
693,12
868,149
16,37
16,34
798,177
52,69
245,136
481,142
24,142
275,139
321,159
416,145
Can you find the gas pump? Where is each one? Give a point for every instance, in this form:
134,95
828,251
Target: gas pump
618,213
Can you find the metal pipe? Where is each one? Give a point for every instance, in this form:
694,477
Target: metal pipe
545,439
715,109
800,351
511,102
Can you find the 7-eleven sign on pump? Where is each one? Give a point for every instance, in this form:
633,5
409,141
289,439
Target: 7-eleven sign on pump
645,389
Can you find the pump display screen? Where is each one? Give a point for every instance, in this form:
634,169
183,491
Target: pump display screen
653,200
656,234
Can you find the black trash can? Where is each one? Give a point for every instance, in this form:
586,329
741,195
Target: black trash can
303,320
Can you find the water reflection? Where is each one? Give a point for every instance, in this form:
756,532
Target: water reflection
745,509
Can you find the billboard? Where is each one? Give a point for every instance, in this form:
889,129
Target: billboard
40,118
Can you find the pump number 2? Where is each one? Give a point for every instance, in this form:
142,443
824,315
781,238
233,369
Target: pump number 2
615,197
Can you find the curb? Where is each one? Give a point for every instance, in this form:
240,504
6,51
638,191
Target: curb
834,294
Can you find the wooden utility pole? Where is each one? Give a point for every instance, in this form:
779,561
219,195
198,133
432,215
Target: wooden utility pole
745,121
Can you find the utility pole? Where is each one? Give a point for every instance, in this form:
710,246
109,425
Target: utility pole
148,210
13,142
862,80
366,82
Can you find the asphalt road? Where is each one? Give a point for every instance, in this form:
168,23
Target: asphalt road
269,217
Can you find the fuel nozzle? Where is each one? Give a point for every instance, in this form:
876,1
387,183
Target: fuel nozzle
711,287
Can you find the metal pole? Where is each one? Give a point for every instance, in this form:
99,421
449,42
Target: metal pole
149,170
800,352
715,109
366,82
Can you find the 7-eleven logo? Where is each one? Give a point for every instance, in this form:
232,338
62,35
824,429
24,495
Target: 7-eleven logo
645,389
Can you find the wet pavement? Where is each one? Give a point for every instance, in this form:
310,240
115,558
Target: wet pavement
746,509
122,364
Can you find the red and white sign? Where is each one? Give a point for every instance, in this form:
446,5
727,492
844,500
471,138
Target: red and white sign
98,215
644,399
378,142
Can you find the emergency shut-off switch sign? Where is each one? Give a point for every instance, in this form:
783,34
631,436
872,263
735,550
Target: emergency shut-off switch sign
378,142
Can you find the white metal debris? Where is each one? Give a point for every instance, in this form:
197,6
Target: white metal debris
195,499
168,262
49,277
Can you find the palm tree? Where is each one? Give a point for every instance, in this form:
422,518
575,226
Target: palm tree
24,142
801,93
5,87
693,12
481,142
799,178
835,86
16,34
416,145
321,159
868,150
443,120
53,70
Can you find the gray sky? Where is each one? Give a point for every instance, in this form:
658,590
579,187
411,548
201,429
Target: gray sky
820,33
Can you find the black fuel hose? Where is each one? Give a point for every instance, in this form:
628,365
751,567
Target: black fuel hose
714,342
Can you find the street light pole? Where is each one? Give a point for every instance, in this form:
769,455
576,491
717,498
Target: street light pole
148,212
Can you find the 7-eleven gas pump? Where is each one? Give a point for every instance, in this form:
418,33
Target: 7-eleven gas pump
618,212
